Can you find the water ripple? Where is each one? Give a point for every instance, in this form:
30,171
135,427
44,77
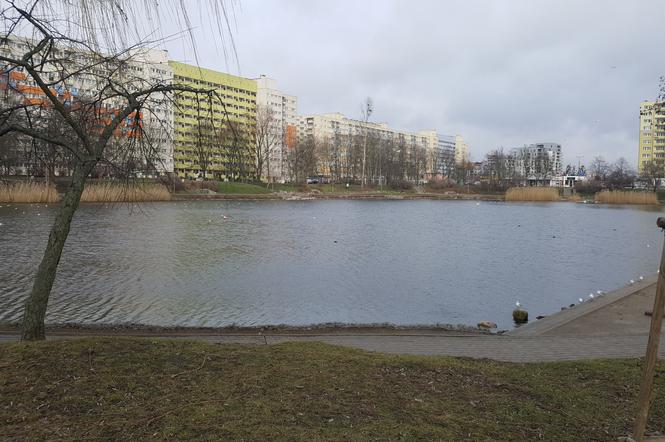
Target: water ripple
404,262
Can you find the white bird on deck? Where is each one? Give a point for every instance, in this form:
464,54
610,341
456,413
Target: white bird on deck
632,281
581,300
591,296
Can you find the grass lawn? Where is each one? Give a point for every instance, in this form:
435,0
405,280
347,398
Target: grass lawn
355,188
241,188
288,187
135,389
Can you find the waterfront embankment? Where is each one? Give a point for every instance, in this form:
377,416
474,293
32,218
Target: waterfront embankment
613,325
100,191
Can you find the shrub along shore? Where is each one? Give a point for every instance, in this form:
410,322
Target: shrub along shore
39,192
603,197
28,192
35,192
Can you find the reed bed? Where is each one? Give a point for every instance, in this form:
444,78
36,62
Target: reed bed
532,194
28,192
116,193
626,197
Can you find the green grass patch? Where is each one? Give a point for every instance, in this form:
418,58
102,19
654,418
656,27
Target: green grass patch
339,188
242,188
134,389
287,187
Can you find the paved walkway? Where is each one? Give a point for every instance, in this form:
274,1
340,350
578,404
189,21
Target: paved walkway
500,348
613,326
618,313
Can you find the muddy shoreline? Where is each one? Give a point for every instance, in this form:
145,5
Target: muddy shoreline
317,329
307,196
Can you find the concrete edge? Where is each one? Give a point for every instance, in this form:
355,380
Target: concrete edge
563,317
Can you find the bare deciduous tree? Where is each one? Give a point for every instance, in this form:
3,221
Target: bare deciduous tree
599,168
268,137
654,171
366,111
622,174
105,127
302,159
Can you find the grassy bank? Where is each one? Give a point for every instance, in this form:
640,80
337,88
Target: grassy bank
241,188
532,194
623,197
27,192
133,389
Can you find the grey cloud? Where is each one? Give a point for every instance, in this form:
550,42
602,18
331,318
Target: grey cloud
501,73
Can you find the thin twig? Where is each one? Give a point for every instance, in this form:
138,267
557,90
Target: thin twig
192,371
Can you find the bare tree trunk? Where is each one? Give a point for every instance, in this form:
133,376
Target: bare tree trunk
32,328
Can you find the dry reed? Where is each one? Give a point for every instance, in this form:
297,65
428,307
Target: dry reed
626,197
116,193
28,192
532,194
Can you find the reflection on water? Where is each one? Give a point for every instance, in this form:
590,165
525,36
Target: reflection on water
401,262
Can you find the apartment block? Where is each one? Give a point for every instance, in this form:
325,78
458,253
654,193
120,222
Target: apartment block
213,135
537,161
335,128
461,150
281,112
651,145
83,81
446,154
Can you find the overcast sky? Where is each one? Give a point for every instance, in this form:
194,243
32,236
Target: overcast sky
500,73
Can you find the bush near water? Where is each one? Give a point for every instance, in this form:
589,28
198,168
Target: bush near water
117,193
28,192
532,194
37,192
626,197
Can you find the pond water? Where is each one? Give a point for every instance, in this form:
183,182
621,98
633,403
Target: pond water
218,263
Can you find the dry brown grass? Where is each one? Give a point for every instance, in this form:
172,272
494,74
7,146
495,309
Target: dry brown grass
532,194
116,193
26,192
141,388
626,197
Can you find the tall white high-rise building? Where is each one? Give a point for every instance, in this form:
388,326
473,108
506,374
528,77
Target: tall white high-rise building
537,160
446,151
280,110
461,150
